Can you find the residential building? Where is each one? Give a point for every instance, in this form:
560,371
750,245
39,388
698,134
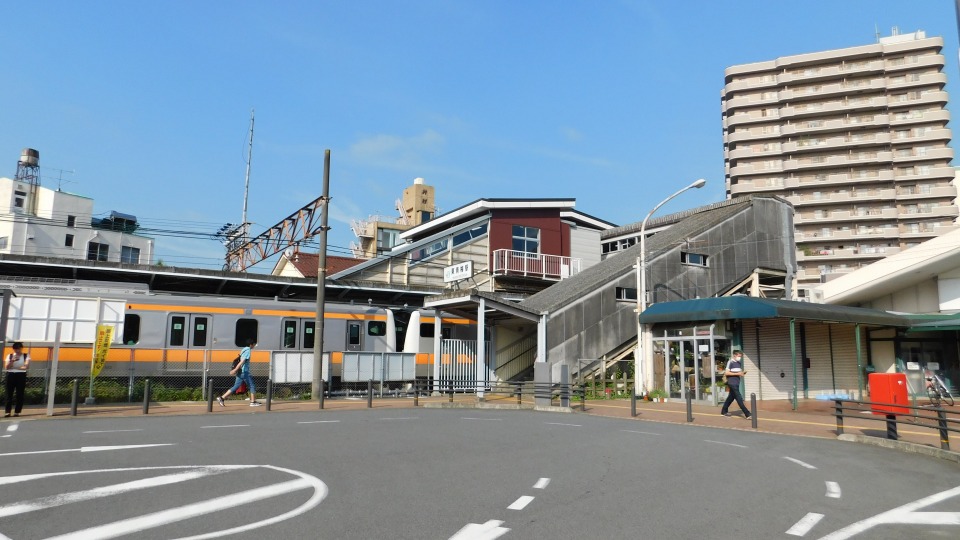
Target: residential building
305,265
856,139
378,234
44,222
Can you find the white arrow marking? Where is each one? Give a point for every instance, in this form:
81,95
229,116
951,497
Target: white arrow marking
833,490
86,449
475,531
803,526
798,462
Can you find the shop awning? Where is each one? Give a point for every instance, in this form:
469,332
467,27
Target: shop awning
748,307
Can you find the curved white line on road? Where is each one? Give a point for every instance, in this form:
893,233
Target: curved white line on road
833,490
800,463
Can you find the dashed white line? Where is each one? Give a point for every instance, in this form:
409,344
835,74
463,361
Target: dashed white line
492,419
228,425
86,449
800,463
726,443
833,490
400,418
520,503
320,422
559,424
542,483
113,431
806,523
640,432
476,531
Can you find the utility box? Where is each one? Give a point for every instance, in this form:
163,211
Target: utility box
887,390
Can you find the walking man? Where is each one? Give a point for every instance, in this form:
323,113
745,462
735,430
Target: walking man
242,371
733,372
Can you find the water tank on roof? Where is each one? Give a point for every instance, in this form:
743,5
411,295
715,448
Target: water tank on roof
30,157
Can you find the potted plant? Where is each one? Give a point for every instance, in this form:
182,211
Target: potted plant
657,394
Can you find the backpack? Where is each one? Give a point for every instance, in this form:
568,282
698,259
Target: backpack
236,361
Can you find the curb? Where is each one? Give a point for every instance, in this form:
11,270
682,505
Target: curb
902,446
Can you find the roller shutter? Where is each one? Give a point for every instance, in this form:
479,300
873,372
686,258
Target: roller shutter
768,354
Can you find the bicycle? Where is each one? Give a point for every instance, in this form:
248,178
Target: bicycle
937,391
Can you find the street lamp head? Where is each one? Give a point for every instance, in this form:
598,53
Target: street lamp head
699,183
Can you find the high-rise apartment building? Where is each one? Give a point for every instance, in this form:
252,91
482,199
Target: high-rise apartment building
855,138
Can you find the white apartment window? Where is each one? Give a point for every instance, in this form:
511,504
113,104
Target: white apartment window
923,170
130,255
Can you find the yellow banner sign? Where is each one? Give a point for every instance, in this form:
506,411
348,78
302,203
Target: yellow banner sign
101,348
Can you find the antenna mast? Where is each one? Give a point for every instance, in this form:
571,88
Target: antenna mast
246,184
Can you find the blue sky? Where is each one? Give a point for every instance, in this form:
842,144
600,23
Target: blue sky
614,103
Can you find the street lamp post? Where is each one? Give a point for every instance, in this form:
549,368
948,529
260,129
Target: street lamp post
639,358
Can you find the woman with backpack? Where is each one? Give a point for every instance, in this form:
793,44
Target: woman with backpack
242,372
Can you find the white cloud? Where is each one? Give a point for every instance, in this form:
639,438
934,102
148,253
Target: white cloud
395,152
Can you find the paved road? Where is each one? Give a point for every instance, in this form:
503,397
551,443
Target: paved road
457,473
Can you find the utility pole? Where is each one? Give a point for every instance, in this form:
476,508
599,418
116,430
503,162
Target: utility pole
246,186
321,280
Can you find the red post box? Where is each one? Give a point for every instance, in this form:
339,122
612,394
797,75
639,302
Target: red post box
888,390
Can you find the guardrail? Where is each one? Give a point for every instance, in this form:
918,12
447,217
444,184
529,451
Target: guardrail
919,416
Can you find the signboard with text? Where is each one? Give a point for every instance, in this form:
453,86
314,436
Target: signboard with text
458,271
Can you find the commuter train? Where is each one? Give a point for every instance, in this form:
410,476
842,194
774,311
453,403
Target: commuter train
180,335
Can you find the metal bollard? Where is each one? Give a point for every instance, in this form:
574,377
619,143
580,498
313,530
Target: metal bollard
689,405
633,403
519,393
838,411
320,397
146,397
75,396
269,393
451,391
416,393
753,411
892,427
942,424
583,398
210,395
370,393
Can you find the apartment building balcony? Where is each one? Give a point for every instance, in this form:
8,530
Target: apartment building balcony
928,135
907,155
924,79
905,194
934,173
812,237
910,117
925,231
507,262
924,61
855,253
862,67
859,196
747,169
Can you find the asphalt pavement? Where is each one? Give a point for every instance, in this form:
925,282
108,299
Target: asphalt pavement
916,433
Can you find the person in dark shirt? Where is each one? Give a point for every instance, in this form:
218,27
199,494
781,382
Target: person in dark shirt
733,372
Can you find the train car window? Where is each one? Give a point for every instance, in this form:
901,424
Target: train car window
200,328
131,329
353,333
376,328
446,332
426,329
289,334
177,330
245,329
308,327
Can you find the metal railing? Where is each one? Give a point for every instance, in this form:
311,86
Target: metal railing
522,263
893,414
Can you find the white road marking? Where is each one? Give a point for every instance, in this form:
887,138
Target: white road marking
833,490
806,523
13,427
4,437
559,424
475,531
520,503
726,443
641,432
158,519
542,483
105,491
401,418
493,419
228,425
113,431
86,449
904,514
320,422
798,462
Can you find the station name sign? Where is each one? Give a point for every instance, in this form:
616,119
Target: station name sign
458,271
